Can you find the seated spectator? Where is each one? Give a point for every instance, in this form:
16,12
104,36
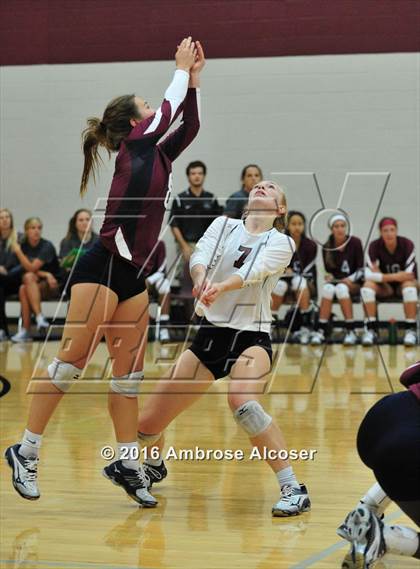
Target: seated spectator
10,270
79,239
41,280
300,276
157,282
391,271
343,261
251,175
192,212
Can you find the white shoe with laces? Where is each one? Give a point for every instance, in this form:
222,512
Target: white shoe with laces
164,335
25,473
317,338
410,338
22,336
293,501
304,336
350,339
368,338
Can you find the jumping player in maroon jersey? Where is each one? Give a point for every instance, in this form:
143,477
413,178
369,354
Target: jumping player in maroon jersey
107,286
300,276
388,443
343,261
391,271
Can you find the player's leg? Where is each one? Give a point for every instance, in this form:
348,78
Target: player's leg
303,298
248,378
410,298
90,306
344,292
179,388
321,329
277,296
24,334
368,294
33,292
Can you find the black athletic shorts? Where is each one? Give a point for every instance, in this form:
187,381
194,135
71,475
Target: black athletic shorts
218,347
101,266
388,442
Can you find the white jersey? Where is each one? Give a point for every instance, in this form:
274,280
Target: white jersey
228,249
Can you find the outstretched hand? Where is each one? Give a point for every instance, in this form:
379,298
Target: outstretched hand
200,60
186,54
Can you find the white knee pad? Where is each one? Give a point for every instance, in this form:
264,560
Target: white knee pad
409,294
328,291
128,385
281,288
148,440
163,287
367,294
299,283
252,417
63,375
342,291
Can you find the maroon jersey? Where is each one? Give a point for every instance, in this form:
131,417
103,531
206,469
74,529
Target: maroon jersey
402,259
345,263
142,179
156,262
304,259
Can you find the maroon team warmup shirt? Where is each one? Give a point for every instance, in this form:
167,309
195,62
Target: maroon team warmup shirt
142,179
402,259
347,262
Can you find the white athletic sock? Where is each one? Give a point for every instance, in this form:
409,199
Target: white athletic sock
287,476
164,317
40,318
129,454
376,499
401,540
154,461
30,445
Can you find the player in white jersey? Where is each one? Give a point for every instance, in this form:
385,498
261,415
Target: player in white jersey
234,270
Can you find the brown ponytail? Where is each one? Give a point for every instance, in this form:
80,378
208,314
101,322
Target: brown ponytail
108,132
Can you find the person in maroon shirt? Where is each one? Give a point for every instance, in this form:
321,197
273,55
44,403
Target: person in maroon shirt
391,271
388,443
343,261
158,283
300,276
107,286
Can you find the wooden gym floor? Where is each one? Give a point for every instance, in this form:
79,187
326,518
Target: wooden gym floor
211,514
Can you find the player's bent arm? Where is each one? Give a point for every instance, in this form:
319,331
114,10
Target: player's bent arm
273,259
400,277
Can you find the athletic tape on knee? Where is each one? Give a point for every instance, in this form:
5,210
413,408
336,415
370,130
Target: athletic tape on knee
63,374
409,294
299,283
148,440
342,291
328,291
367,294
281,288
252,418
128,385
163,287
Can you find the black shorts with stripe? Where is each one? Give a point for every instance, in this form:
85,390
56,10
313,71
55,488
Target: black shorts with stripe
218,348
101,266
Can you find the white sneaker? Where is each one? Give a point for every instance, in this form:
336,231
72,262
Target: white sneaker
365,532
22,336
24,477
350,339
293,501
42,324
410,338
368,338
317,338
164,335
304,336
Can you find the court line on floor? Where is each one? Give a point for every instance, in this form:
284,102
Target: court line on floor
68,565
332,548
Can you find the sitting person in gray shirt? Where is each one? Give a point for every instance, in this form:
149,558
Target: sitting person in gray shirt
251,175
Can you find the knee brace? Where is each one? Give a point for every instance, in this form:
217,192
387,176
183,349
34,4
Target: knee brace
163,287
128,385
148,440
367,294
342,291
252,418
409,294
299,283
281,288
63,375
328,291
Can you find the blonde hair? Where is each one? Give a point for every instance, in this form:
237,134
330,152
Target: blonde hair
280,221
12,239
28,222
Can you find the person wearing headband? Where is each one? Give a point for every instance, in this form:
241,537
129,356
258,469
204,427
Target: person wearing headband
391,271
343,261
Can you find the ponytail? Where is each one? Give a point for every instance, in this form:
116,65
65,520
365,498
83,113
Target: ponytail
92,136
